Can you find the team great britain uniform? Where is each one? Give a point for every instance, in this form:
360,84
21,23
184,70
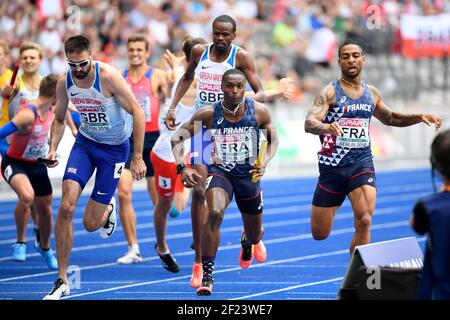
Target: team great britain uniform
235,147
208,76
102,141
24,151
150,104
345,163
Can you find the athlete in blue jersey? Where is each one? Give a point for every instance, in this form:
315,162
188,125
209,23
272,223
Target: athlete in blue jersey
105,102
235,124
341,116
432,215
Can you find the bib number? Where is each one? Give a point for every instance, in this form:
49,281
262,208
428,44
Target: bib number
356,133
234,148
95,121
35,151
146,107
118,170
164,183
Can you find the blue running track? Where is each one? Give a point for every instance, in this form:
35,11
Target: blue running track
297,267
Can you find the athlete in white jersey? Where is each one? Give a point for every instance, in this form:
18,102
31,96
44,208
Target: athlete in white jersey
208,76
168,183
218,53
104,101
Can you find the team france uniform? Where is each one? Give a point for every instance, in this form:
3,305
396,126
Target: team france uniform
345,163
208,76
167,181
235,147
25,149
102,141
4,117
150,104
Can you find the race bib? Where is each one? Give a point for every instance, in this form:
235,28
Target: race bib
34,151
96,119
164,183
144,102
356,133
233,147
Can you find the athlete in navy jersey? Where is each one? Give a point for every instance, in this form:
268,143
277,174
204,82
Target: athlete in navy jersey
207,64
432,215
235,125
341,116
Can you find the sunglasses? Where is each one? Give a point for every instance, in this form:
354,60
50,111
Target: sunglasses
78,64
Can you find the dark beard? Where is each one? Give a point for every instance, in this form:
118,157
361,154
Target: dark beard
84,75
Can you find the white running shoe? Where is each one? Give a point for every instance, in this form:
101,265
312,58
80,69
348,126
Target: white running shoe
108,229
60,289
130,257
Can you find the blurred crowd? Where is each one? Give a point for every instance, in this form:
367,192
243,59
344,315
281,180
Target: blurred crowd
288,37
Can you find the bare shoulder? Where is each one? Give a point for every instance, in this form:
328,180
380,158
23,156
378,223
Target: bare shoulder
111,79
374,92
61,82
204,114
329,94
243,57
261,108
61,88
198,50
107,71
263,113
159,72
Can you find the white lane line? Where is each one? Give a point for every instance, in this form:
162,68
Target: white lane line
265,264
297,286
272,200
261,265
222,248
289,288
313,256
342,216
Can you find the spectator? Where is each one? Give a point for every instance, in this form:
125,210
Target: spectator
432,215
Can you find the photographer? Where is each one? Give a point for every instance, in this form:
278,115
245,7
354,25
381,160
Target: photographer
432,215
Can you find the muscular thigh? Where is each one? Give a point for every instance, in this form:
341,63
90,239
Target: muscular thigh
110,162
363,199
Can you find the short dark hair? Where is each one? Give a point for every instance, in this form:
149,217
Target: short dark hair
440,153
139,37
188,43
77,44
47,88
229,72
347,43
226,18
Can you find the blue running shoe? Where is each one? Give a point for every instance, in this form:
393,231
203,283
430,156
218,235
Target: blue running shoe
49,257
174,213
19,252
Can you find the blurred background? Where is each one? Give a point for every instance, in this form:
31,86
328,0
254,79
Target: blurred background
406,43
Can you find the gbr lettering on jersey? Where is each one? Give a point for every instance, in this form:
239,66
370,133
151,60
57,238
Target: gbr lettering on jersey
93,114
208,76
102,118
